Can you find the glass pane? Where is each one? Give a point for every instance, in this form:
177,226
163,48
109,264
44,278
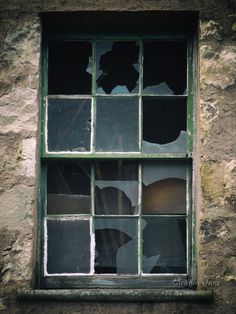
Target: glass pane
164,245
116,188
68,249
164,125
117,124
164,187
69,68
116,246
165,68
69,125
68,187
117,67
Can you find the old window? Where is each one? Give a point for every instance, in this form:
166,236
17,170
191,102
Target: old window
116,159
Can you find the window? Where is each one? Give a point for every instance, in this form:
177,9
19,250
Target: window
116,159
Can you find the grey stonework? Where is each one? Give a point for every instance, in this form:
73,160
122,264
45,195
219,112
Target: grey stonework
216,151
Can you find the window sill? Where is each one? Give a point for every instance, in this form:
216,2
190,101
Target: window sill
116,295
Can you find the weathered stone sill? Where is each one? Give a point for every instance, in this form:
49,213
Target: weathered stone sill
116,295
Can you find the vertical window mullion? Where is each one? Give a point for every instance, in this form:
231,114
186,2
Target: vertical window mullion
92,256
140,94
140,249
190,97
188,216
92,264
93,138
140,220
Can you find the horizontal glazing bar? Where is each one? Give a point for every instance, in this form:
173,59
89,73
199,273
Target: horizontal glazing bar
164,96
69,96
164,215
69,216
116,216
108,155
117,95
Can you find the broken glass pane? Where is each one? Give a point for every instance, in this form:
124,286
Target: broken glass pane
69,125
68,247
165,67
117,67
117,124
116,188
164,125
160,89
164,245
116,246
69,68
68,187
164,187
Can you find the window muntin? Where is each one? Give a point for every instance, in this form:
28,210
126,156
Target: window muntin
121,214
142,111
131,195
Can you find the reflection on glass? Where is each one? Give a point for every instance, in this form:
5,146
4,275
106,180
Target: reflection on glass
116,188
160,89
117,124
165,196
164,125
165,67
68,187
68,247
116,246
164,187
117,71
69,125
164,245
177,146
69,68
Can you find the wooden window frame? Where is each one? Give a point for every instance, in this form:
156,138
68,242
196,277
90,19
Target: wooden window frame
115,281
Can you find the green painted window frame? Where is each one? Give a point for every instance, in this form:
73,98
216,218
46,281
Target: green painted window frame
114,281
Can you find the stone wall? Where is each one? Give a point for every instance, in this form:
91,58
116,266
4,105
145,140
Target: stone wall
216,150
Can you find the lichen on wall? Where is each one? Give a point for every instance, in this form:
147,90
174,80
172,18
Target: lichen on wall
217,224
19,54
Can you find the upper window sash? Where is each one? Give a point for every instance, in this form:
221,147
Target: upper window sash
141,96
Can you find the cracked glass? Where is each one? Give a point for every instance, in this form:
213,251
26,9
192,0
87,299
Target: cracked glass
164,245
116,250
117,67
164,187
69,125
116,188
117,124
165,67
164,125
68,247
68,187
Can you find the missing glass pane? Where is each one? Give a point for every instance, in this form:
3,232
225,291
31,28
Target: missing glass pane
69,68
68,247
116,246
117,67
164,245
116,188
165,67
117,124
164,125
68,187
164,187
69,125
